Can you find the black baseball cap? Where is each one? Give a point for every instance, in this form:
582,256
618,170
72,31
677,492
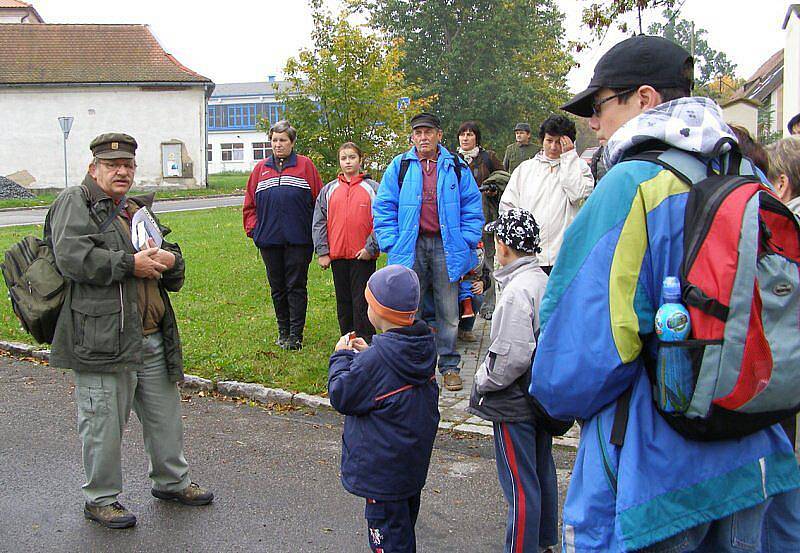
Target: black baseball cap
425,119
639,60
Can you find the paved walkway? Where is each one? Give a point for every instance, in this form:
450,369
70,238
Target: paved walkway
452,405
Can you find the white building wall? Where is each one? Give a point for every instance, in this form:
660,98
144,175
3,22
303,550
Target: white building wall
247,138
32,139
791,70
742,114
15,16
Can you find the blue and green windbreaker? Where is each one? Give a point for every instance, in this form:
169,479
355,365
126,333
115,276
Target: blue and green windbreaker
597,320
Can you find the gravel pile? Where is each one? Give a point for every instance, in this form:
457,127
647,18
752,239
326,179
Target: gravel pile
10,190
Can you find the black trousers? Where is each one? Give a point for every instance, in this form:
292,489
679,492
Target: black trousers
287,273
350,278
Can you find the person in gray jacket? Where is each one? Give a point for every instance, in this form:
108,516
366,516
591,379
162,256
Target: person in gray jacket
523,447
117,332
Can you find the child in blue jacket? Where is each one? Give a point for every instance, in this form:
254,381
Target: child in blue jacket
388,392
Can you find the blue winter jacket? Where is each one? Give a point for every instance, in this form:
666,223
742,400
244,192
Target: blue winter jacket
396,212
597,324
390,397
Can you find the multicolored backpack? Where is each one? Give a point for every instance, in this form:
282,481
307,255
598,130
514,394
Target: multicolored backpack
740,280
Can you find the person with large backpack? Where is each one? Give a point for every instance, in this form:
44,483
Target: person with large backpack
698,472
428,217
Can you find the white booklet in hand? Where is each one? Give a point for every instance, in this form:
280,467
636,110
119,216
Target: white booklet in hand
144,226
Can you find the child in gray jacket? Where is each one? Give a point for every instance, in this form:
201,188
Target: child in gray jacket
523,454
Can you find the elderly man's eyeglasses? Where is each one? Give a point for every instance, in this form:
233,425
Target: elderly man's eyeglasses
597,104
117,165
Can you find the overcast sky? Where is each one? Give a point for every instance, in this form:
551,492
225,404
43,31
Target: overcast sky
247,40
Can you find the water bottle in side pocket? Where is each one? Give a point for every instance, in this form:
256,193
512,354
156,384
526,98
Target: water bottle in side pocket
674,375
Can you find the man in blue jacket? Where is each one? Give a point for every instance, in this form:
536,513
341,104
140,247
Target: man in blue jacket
431,222
659,491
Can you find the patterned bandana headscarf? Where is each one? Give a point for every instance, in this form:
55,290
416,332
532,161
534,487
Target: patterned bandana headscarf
517,229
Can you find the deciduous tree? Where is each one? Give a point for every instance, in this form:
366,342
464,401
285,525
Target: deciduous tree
346,89
494,62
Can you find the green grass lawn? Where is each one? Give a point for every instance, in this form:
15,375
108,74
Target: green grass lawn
223,183
224,310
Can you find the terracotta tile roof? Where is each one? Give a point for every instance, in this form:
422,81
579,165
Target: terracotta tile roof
45,54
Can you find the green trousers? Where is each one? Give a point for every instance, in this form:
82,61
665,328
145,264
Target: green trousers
104,406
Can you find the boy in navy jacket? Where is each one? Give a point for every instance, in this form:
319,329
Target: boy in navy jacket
388,392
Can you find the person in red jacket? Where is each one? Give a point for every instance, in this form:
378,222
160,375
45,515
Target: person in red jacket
277,214
344,241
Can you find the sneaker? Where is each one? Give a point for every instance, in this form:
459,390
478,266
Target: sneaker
281,341
487,311
110,516
452,381
466,309
467,336
192,494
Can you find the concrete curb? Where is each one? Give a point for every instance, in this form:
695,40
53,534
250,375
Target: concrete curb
229,388
261,394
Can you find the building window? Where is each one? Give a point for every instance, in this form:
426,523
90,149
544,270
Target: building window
209,155
243,116
261,150
232,151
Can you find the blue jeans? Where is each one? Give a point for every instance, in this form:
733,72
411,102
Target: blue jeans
527,474
463,324
781,528
771,526
430,265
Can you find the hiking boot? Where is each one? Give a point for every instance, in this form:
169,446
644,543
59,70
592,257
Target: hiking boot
452,381
110,516
293,343
467,336
466,308
192,494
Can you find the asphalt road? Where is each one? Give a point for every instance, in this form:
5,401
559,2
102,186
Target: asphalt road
275,475
36,216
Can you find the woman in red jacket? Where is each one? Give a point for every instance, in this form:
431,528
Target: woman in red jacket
344,241
277,213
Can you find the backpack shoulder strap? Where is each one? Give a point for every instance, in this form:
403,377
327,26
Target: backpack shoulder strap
401,176
458,164
686,166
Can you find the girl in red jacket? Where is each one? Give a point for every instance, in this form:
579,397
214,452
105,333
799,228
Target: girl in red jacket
343,239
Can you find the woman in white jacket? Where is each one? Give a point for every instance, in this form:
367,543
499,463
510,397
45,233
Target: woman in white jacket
552,185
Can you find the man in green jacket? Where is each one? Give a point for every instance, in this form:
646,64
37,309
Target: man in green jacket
117,332
521,149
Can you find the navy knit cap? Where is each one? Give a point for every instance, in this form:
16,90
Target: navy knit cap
393,293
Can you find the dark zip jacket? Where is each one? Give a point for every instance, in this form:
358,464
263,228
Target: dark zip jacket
279,202
390,397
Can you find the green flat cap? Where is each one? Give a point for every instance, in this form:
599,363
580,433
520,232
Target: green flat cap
113,145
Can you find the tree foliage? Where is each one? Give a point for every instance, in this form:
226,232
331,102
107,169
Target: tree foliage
710,66
599,16
346,89
495,62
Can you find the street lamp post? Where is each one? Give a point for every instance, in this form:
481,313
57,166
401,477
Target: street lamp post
66,125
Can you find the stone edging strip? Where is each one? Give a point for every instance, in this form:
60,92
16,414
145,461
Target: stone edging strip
263,395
